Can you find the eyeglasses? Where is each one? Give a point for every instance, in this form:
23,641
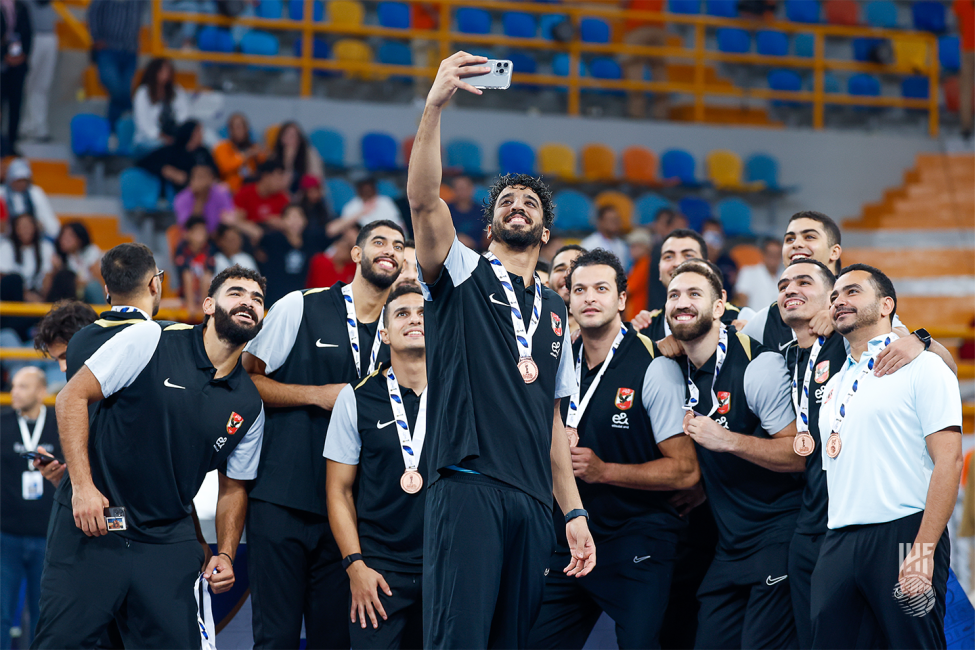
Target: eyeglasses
159,275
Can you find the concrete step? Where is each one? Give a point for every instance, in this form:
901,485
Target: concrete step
915,262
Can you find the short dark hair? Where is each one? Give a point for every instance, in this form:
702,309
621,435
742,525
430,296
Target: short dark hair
764,243
603,209
665,211
230,273
881,283
829,279
400,291
832,231
64,320
124,268
193,222
683,233
568,247
599,257
222,230
269,167
409,243
704,268
372,225
534,183
543,267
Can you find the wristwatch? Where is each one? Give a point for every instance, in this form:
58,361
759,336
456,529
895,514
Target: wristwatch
349,559
923,337
578,512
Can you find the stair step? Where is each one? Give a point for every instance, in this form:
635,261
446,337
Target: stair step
935,311
915,262
53,177
724,115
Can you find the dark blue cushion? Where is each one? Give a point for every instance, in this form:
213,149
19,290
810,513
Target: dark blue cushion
594,30
772,43
914,88
518,24
722,8
473,21
734,40
802,11
394,15
864,85
929,16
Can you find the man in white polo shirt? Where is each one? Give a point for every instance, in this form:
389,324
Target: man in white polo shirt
893,463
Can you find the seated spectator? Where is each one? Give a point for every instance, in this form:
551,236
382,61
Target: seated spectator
159,106
544,270
204,197
262,202
77,266
22,196
296,154
713,232
609,224
335,264
284,255
174,162
312,200
757,285
238,156
366,207
230,249
468,216
25,261
195,264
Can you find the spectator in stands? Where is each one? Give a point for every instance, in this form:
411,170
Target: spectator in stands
230,249
263,201
640,242
757,285
25,260
468,216
158,107
16,39
43,59
713,232
238,156
965,11
284,255
335,264
174,162
607,236
646,33
195,265
299,158
543,270
368,206
79,262
114,28
204,197
22,196
311,198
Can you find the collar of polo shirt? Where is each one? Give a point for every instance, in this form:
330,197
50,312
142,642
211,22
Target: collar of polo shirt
873,347
203,361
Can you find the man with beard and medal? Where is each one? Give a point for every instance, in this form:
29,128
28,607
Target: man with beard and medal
315,343
375,438
893,463
631,455
738,413
175,403
498,364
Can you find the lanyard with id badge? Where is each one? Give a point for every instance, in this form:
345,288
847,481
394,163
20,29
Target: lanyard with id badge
31,481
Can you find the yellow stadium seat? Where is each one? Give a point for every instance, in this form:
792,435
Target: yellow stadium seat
620,201
598,163
347,13
350,50
724,171
557,160
911,53
639,165
271,136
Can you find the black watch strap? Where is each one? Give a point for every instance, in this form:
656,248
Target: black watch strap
923,336
578,512
349,559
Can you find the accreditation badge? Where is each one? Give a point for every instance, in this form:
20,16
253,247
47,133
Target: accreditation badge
32,485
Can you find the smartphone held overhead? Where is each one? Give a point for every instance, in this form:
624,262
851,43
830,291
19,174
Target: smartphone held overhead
499,78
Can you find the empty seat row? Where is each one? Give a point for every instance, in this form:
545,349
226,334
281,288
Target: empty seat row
860,85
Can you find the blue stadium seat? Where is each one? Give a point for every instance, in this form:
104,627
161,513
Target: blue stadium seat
379,152
89,135
603,67
864,85
396,53
881,13
735,216
731,39
125,131
929,16
523,62
831,82
802,11
296,10
914,88
805,45
473,21
862,47
518,24
259,43
214,39
784,80
949,53
386,187
696,210
340,192
687,7
330,146
647,207
319,50
679,164
572,211
548,22
481,195
762,167
139,189
594,30
771,43
516,158
270,9
465,155
394,15
722,8
560,66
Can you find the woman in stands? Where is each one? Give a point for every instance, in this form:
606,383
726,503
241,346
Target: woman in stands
25,261
238,156
174,162
297,155
77,266
158,107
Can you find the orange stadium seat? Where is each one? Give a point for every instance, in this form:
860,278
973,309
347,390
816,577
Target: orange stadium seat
598,163
557,160
640,165
620,201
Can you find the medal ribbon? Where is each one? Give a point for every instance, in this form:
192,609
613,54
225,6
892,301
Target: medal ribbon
801,402
840,414
522,338
577,408
411,446
31,439
353,325
693,394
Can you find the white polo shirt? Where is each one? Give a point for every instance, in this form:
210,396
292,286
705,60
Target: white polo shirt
883,469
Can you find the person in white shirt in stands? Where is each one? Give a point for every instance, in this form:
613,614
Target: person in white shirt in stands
757,285
25,260
230,244
21,195
368,206
158,107
607,236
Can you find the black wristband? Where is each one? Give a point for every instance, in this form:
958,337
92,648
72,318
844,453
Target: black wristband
229,558
578,512
349,559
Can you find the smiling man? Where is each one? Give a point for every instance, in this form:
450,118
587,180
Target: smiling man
498,368
561,264
316,342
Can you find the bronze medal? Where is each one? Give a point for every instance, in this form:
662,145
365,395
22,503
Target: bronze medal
803,444
573,435
833,445
411,481
528,369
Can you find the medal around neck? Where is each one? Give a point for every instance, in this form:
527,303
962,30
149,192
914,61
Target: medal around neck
411,481
527,367
803,444
833,445
411,445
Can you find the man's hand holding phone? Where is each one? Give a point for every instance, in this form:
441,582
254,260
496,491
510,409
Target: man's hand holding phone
450,77
51,468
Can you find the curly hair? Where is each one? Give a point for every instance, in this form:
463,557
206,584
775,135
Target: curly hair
64,320
600,257
534,183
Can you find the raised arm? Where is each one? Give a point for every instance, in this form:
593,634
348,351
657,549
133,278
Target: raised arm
432,225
